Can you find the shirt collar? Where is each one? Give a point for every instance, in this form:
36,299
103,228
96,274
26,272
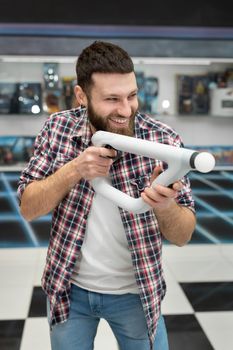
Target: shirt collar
82,130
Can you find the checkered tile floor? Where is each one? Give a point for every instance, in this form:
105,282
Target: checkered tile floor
198,307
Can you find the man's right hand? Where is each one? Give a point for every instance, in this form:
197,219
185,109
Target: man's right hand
41,197
94,162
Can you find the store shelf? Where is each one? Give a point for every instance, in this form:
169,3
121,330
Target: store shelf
26,67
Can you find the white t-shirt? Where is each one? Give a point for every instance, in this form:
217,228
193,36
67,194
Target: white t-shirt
105,264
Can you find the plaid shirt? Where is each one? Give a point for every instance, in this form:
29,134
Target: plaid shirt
64,136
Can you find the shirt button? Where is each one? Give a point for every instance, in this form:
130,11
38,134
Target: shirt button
85,216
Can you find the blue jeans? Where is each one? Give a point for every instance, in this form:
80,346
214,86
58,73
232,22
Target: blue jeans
123,313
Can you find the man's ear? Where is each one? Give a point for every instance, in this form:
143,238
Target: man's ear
80,95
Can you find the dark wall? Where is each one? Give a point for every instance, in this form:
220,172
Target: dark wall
123,12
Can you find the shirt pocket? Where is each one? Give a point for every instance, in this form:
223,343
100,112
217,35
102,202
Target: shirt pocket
138,184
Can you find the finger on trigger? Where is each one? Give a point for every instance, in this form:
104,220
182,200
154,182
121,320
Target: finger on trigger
108,153
177,186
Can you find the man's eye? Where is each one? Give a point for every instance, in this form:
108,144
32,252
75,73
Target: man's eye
133,95
111,99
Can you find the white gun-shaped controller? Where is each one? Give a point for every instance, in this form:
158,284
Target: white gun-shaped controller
179,160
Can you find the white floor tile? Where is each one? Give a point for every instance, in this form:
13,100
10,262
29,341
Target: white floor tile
172,252
14,302
22,267
18,267
38,274
218,328
17,275
21,256
198,263
203,270
105,339
40,266
36,334
227,251
175,301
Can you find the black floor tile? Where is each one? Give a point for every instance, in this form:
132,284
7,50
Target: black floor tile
2,188
11,334
38,303
212,174
12,232
218,227
5,206
197,237
224,183
14,184
12,174
210,296
199,207
198,185
41,230
185,333
218,201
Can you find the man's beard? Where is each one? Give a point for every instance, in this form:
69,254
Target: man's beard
102,123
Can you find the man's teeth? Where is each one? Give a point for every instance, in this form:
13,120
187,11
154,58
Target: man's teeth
120,121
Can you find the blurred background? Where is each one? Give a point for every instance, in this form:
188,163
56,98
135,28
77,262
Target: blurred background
183,56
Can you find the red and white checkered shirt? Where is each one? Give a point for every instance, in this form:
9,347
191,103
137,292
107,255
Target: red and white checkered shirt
64,136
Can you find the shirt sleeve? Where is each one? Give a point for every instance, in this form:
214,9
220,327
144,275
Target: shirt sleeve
185,197
40,164
169,136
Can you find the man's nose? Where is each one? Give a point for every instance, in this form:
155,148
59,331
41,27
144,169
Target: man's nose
124,109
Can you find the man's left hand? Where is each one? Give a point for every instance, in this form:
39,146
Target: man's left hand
161,197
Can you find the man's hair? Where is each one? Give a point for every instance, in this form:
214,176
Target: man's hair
101,57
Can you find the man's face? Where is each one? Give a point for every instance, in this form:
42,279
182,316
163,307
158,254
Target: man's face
113,103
